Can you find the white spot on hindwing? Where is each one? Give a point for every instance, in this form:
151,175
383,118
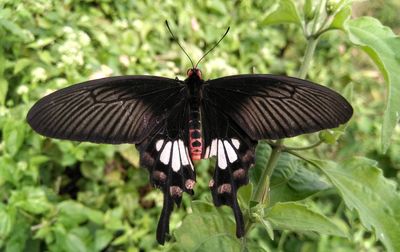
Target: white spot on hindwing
235,143
232,156
213,151
159,144
184,157
176,160
225,151
166,153
174,153
221,156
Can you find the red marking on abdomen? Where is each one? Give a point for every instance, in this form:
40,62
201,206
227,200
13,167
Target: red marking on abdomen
195,144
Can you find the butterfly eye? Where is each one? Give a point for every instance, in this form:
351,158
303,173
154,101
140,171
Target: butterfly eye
189,72
198,73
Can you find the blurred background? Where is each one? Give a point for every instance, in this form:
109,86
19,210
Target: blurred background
67,196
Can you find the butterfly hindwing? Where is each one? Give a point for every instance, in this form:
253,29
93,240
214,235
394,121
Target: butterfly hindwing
122,109
166,155
234,152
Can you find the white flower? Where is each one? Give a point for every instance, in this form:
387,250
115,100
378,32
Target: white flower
124,60
22,89
71,53
137,24
38,74
68,29
83,38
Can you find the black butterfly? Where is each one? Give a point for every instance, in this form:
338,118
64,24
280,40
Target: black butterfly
174,122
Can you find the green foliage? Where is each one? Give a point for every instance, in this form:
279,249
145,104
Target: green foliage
297,217
364,188
65,196
383,46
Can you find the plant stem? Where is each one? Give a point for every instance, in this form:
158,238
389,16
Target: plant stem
309,53
261,193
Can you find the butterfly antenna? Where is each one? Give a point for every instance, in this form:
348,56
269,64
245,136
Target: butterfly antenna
216,44
173,37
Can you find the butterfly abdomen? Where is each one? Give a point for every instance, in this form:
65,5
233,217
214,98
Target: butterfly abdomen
195,136
194,84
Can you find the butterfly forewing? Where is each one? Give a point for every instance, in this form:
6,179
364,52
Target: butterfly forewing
111,110
273,107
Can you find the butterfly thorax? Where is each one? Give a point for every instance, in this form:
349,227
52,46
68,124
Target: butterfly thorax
194,84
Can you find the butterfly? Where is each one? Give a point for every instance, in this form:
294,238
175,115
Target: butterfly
175,122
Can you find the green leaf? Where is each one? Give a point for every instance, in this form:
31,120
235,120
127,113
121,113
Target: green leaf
268,227
285,11
244,194
13,135
130,154
102,239
21,64
376,199
20,235
291,181
212,231
3,81
73,243
297,217
383,47
340,18
263,151
31,199
7,220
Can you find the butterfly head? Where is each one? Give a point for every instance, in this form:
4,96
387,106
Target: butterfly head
194,72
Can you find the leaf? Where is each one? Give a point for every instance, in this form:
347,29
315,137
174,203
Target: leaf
130,154
73,243
21,64
376,199
291,181
31,199
263,151
3,81
73,213
297,217
383,47
13,136
340,18
102,239
17,241
7,220
244,194
212,231
285,11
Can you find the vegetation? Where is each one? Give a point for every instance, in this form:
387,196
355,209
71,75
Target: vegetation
333,190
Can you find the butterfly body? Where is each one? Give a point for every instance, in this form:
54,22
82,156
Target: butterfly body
174,122
194,84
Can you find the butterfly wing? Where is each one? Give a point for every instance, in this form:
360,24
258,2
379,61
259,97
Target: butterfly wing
122,109
239,110
273,107
165,153
234,151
